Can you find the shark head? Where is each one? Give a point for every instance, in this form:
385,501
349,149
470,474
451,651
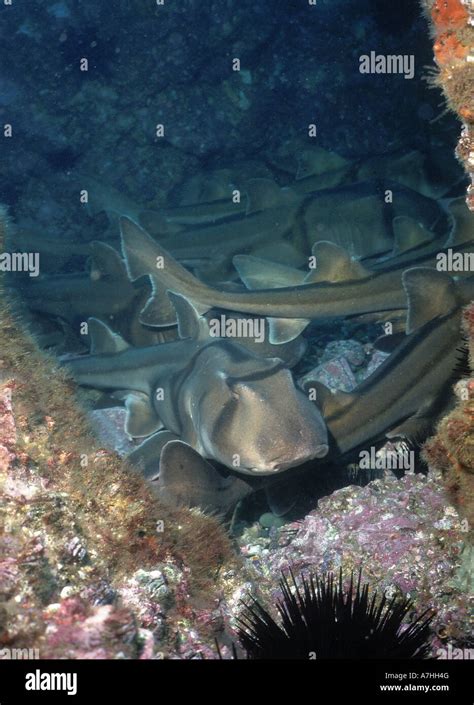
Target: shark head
256,421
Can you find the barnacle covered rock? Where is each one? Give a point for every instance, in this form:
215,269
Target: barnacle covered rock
79,531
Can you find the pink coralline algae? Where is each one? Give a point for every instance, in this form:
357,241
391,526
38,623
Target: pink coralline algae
56,592
403,534
78,630
7,428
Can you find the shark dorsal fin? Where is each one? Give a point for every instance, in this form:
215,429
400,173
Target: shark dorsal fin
430,294
106,262
103,339
258,273
462,230
334,264
190,323
409,234
146,257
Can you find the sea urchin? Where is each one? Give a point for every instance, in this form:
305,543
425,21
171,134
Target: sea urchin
321,620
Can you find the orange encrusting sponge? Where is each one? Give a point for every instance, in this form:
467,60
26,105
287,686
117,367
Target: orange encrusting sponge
450,14
448,48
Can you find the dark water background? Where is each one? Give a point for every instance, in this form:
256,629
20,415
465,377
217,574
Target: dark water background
171,64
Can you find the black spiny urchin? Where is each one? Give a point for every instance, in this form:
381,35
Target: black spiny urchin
320,620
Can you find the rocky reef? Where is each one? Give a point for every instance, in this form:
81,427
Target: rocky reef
452,23
92,566
451,452
79,528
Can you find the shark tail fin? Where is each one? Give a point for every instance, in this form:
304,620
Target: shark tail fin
430,294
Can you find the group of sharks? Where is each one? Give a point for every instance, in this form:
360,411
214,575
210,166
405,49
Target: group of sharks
218,418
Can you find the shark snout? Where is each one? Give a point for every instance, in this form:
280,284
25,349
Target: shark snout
281,464
319,451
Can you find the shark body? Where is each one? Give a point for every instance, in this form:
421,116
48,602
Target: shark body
228,404
338,287
407,392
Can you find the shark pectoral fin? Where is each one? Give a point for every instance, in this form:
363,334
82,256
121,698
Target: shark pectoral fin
430,294
106,262
158,311
190,323
103,339
141,419
186,478
409,234
258,273
146,456
280,499
334,264
283,330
